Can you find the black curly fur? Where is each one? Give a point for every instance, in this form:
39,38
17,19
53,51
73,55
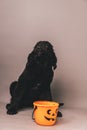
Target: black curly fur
34,83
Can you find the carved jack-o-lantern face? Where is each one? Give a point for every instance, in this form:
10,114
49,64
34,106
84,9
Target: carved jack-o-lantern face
45,113
51,114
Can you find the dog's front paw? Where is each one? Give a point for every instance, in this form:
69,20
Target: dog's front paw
59,114
12,111
61,104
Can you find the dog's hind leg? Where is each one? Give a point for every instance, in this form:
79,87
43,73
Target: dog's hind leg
12,89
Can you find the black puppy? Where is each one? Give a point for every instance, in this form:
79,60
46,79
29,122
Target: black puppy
34,83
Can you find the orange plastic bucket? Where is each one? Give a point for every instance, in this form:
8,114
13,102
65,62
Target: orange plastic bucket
45,112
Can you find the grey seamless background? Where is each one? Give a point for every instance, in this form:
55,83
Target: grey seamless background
64,24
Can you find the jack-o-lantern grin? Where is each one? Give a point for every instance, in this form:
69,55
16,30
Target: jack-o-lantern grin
49,118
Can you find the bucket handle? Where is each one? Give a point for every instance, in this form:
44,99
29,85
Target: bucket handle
33,112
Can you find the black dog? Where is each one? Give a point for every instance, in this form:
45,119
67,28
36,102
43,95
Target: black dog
34,83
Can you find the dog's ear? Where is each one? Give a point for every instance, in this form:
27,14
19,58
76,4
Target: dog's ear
54,60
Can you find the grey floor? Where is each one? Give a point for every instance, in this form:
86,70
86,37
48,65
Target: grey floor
73,119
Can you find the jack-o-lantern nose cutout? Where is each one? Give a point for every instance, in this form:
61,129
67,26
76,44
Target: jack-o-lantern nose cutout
53,114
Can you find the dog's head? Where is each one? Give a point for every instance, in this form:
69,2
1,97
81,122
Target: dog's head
45,49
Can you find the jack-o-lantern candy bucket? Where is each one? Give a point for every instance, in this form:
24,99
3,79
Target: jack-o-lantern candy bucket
45,112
